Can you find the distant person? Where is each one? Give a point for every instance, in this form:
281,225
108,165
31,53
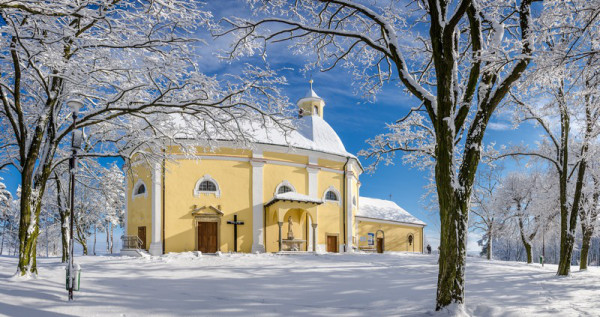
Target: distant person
428,249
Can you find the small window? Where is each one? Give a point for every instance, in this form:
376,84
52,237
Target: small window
411,238
207,186
316,111
140,190
331,196
284,189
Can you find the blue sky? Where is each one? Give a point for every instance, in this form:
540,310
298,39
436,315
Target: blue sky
354,119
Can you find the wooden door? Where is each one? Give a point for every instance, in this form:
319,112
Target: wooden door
142,236
379,245
332,244
207,237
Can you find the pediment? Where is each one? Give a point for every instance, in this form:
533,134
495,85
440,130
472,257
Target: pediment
207,211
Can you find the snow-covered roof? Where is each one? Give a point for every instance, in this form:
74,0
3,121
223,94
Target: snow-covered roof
385,210
311,94
293,196
312,133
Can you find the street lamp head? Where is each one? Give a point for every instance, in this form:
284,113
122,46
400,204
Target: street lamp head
74,104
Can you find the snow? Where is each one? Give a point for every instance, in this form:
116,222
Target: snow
311,133
311,93
293,196
385,210
393,284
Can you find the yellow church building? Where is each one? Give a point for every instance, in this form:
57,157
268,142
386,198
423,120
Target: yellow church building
298,193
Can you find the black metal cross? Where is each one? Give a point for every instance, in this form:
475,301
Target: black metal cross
235,224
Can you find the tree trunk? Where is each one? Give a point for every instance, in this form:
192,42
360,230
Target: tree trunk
587,231
454,215
490,243
525,239
3,233
80,235
95,230
107,238
111,238
30,208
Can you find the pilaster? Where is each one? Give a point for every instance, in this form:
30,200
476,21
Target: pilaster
156,244
258,236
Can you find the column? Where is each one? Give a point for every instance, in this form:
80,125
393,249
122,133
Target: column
313,187
128,195
156,244
350,195
280,241
314,233
258,236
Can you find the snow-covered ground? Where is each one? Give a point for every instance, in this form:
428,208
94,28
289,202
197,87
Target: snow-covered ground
291,285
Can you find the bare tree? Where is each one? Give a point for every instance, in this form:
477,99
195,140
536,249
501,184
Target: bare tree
132,63
588,213
469,49
489,216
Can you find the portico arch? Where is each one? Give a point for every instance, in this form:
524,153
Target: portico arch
302,210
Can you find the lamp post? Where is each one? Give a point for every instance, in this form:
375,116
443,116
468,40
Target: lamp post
76,139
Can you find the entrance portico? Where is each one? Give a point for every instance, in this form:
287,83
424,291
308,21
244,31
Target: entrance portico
296,213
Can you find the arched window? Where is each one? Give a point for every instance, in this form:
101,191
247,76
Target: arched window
139,189
316,111
207,186
331,196
411,238
284,189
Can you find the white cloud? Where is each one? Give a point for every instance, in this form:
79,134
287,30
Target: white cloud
499,126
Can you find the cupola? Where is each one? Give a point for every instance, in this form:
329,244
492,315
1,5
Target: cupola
311,104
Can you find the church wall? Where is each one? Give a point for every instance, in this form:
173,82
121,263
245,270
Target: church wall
332,164
396,235
330,214
235,185
286,157
139,208
274,174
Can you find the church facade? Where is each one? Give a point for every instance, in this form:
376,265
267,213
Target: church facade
299,193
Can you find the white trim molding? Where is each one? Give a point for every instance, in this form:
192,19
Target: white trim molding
258,233
207,177
284,183
336,192
135,188
156,245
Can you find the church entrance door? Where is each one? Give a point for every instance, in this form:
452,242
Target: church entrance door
379,245
332,244
142,236
207,237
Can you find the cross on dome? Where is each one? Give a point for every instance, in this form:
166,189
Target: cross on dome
311,93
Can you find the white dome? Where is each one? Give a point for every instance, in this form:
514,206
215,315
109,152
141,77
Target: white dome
322,135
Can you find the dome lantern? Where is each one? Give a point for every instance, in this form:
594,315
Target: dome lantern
311,104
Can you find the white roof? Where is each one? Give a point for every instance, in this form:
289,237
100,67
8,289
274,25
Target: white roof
293,196
312,133
311,94
384,210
